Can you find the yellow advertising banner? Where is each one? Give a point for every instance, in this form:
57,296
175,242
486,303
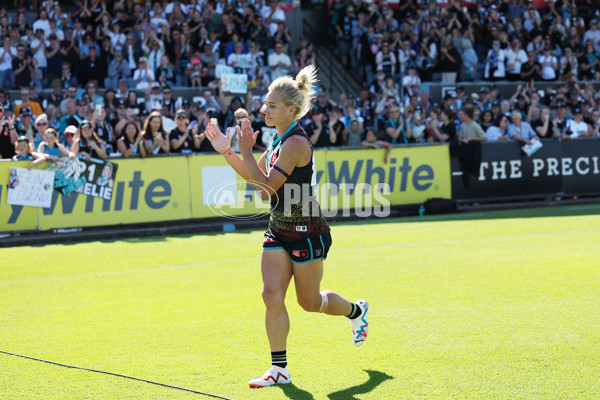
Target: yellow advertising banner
205,186
411,176
14,218
145,190
218,191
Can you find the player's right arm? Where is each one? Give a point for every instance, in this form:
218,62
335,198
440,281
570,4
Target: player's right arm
222,144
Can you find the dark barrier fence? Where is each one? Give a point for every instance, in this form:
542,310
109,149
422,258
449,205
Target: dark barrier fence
499,171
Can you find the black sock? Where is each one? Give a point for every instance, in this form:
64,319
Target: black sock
279,358
356,311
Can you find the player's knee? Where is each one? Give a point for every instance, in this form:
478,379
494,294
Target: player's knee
310,304
273,298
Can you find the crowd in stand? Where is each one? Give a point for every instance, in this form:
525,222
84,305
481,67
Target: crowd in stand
137,54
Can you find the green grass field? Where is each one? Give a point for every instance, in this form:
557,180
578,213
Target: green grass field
495,305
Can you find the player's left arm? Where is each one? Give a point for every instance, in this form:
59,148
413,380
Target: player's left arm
291,154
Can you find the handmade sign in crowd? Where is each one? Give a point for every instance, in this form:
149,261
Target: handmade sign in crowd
93,178
30,187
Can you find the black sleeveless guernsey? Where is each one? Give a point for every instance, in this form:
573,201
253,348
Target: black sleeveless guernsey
302,217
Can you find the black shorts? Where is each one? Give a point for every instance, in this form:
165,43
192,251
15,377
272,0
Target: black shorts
301,250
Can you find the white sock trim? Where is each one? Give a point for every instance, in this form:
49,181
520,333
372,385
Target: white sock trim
324,302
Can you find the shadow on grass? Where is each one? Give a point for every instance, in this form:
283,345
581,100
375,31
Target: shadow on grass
376,378
292,391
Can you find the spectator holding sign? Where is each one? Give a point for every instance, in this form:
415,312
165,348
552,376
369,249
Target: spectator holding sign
50,149
87,143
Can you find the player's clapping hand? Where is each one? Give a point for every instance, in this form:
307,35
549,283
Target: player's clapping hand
218,140
246,138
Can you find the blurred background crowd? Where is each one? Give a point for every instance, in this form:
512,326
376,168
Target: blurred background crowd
99,78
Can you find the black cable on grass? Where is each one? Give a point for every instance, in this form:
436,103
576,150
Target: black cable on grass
115,374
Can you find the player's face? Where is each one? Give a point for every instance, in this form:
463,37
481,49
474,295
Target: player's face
275,111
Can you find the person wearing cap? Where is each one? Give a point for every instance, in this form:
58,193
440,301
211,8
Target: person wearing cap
87,143
183,139
143,76
23,150
576,127
68,136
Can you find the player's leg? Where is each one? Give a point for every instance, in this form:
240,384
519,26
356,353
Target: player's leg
307,278
276,268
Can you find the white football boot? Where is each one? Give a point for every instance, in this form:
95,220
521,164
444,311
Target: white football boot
360,326
274,376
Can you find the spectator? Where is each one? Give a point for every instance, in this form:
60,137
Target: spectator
589,62
344,31
117,69
548,64
317,129
450,62
386,60
415,126
337,129
87,143
498,130
22,67
469,59
67,78
279,62
34,106
520,130
372,142
50,149
593,35
494,66
469,129
447,131
569,66
23,150
273,16
7,52
354,134
395,130
183,139
164,74
131,143
544,126
69,136
411,79
156,140
103,129
576,127
8,134
142,76
515,58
